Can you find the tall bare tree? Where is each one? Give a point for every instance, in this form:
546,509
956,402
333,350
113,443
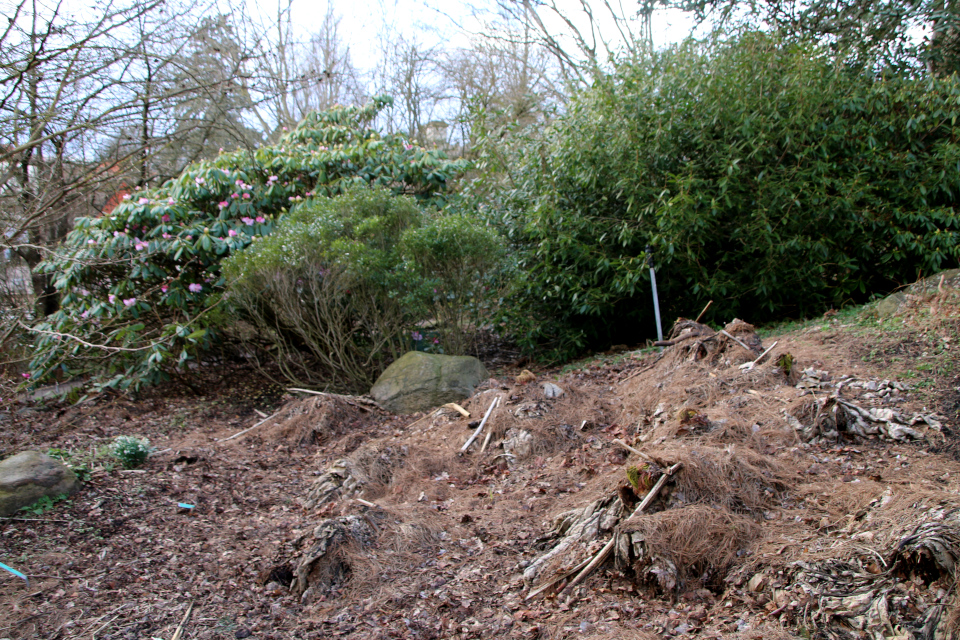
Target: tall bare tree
300,75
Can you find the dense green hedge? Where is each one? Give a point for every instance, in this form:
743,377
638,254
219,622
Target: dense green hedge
767,177
142,287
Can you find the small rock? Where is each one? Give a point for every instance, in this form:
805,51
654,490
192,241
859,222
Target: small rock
551,390
242,633
755,585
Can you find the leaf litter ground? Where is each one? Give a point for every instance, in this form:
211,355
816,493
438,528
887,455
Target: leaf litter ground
788,517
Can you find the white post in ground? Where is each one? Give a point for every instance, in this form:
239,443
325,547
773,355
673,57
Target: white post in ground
656,301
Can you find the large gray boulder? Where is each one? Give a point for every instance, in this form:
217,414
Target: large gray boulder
29,476
421,381
890,305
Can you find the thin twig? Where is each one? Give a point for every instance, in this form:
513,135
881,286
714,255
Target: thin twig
35,520
632,450
737,340
704,311
750,365
486,441
476,433
186,616
237,435
355,401
419,420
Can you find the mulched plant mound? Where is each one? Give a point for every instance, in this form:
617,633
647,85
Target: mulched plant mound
813,496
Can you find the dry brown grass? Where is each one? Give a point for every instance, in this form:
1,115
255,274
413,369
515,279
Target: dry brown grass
312,421
734,477
698,539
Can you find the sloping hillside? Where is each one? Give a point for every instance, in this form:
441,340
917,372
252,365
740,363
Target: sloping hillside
813,493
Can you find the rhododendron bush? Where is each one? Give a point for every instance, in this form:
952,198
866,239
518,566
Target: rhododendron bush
141,287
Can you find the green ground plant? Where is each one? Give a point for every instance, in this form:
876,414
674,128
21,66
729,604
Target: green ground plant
130,451
44,505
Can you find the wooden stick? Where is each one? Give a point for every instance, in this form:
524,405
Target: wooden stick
103,626
354,401
179,631
632,450
429,415
750,365
704,311
260,413
486,441
550,583
482,422
365,502
35,520
237,435
457,408
737,340
607,548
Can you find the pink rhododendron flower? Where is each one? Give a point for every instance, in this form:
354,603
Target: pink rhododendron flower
166,236
129,302
231,233
111,298
272,179
247,221
200,180
234,195
26,375
126,196
407,146
143,201
246,195
165,218
195,288
261,219
163,288
189,237
91,242
116,234
171,201
224,204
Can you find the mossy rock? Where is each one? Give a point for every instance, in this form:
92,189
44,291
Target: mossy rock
421,381
29,476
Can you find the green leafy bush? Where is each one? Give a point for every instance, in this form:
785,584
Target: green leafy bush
130,451
767,176
339,290
455,261
142,287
